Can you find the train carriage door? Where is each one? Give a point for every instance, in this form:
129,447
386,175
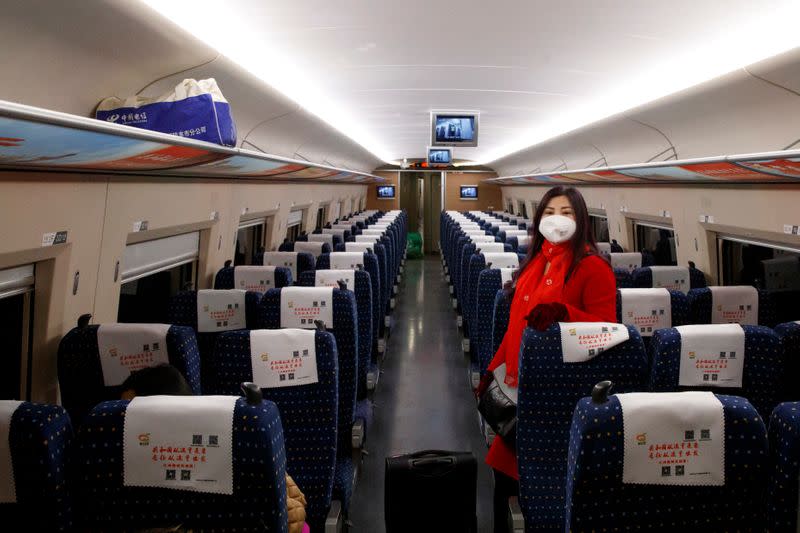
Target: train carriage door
16,319
152,272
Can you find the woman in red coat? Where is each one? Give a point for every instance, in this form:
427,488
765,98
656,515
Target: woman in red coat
563,279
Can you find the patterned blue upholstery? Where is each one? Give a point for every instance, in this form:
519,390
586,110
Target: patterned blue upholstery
345,331
224,278
336,238
289,247
597,500
308,415
305,261
680,312
502,310
363,294
343,481
258,502
763,367
513,242
384,276
548,391
370,267
789,333
784,475
489,282
700,307
643,278
80,373
182,311
624,279
39,440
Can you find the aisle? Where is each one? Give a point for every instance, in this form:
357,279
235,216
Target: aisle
423,399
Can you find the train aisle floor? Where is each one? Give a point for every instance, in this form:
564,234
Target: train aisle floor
423,400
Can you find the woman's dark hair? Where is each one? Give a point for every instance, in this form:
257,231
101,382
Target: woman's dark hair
583,243
156,380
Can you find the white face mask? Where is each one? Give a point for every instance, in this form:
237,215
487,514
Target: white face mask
557,228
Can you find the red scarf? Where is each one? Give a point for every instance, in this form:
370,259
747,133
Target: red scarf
533,287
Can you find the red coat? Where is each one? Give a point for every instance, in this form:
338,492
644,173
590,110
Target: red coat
590,295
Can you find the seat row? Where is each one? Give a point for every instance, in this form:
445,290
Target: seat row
119,471
577,456
558,488
218,336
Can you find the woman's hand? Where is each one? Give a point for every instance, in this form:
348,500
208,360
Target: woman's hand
545,315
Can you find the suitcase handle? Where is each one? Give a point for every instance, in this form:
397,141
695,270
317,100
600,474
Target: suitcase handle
431,461
419,459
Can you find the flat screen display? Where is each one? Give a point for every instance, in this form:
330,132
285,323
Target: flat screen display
440,156
385,192
469,192
454,129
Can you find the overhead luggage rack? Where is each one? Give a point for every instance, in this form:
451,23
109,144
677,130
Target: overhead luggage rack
768,167
35,139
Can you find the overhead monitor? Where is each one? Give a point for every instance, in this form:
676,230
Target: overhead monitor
469,192
440,156
385,192
454,128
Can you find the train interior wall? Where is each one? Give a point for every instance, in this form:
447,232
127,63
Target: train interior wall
754,213
98,212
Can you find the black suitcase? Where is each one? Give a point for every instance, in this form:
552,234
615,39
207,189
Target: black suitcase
431,491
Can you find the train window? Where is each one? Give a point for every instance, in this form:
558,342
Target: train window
293,225
599,228
16,319
773,268
249,241
523,209
322,216
658,241
153,272
510,207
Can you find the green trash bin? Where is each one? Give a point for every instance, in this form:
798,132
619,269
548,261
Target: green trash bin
414,246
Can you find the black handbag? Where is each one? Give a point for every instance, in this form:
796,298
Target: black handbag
499,411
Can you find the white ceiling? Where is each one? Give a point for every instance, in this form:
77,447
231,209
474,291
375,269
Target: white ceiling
533,68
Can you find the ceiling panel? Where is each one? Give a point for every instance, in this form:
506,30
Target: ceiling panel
521,63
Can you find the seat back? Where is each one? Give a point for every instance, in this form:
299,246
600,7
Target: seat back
39,444
789,334
784,468
598,499
643,310
332,239
763,368
362,289
345,331
549,387
490,281
274,277
80,370
315,248
297,263
258,501
182,311
370,264
644,277
500,315
477,263
308,414
624,279
701,304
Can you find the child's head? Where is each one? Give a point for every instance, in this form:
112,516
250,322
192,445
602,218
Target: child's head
155,380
